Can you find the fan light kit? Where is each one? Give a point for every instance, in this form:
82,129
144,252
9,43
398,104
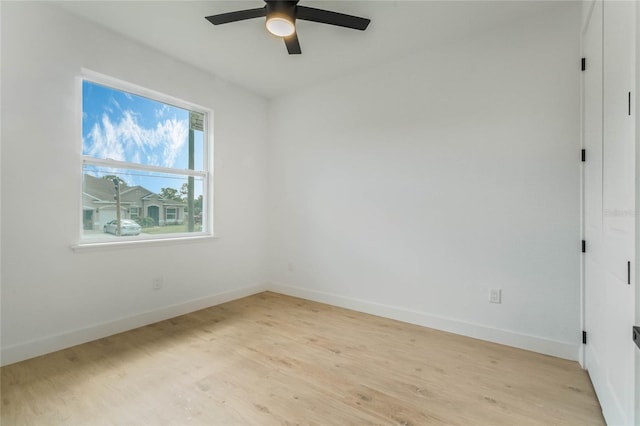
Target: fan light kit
281,18
280,26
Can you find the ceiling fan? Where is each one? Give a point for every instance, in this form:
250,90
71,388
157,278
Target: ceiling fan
281,19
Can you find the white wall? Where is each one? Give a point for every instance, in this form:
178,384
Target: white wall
412,188
406,190
53,297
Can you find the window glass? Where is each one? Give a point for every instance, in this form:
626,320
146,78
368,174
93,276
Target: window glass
144,167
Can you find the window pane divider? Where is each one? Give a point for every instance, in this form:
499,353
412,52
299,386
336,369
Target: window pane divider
145,167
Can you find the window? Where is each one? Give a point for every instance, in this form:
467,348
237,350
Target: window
144,164
171,214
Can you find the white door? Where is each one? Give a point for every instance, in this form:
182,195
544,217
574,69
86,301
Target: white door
609,206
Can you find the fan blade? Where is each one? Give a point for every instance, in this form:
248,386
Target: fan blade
239,15
332,18
293,45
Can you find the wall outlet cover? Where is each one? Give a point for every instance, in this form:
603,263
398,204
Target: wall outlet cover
495,295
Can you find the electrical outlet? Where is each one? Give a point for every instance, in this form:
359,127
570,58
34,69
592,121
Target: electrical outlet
157,283
495,295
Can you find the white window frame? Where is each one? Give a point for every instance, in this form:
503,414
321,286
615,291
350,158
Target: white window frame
206,175
175,213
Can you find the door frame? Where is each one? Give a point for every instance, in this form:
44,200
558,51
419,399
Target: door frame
636,269
586,20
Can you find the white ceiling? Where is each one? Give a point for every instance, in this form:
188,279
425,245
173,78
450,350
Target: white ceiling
245,54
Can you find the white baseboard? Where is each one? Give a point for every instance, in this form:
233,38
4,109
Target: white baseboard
37,347
505,337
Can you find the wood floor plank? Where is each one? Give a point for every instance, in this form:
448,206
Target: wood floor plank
273,359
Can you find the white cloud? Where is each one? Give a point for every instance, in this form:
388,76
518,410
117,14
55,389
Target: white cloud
113,101
175,134
160,112
126,140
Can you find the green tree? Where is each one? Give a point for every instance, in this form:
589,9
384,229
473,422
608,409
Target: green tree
197,205
170,194
184,191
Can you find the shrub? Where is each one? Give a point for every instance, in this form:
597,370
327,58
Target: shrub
145,222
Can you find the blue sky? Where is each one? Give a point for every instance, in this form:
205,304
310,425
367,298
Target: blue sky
126,127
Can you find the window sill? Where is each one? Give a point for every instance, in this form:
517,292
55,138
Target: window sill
130,243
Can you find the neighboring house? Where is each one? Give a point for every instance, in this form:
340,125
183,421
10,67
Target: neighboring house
99,204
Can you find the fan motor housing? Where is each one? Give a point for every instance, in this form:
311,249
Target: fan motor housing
286,8
281,17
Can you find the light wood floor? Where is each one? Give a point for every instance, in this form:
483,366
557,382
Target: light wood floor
270,359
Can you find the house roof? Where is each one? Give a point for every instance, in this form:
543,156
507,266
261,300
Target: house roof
103,191
99,188
133,188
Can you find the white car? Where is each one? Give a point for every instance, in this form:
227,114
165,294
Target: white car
127,227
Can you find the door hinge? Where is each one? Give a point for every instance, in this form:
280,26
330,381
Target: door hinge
636,335
584,337
583,64
584,246
583,155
